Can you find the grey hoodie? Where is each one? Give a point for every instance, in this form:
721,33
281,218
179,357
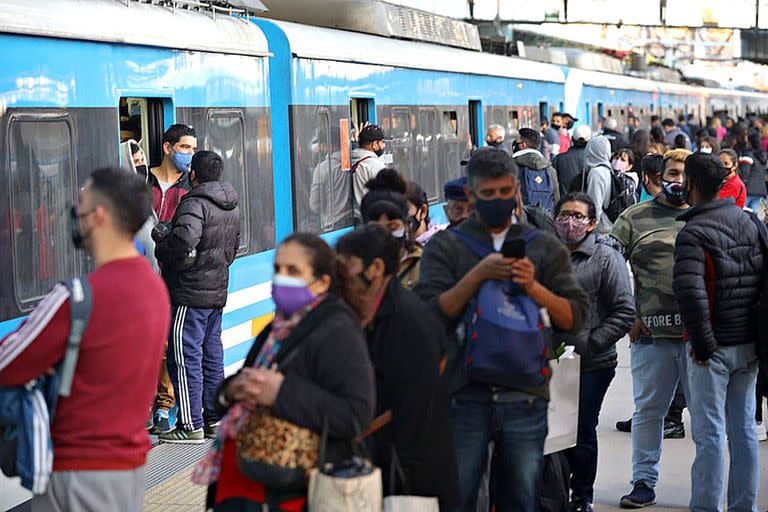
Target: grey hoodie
144,236
533,159
597,160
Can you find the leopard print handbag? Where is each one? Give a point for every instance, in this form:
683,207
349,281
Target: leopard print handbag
275,452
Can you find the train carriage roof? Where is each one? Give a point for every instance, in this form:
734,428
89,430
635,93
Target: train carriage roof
340,45
114,21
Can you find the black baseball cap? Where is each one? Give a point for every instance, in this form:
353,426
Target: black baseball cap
370,133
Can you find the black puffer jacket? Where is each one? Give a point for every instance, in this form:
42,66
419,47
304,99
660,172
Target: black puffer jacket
207,220
752,173
569,165
718,264
602,273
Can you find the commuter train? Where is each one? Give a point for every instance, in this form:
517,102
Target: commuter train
278,101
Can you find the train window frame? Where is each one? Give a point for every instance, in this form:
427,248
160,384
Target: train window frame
452,119
404,144
152,122
243,203
433,148
26,304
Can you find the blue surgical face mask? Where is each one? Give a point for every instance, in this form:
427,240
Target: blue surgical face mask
182,161
495,212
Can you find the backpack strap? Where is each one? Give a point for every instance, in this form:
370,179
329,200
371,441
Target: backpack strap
353,169
80,306
483,250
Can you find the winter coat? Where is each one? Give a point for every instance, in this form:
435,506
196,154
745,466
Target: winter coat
328,377
597,162
602,273
617,139
752,173
208,221
532,159
366,165
447,259
718,265
569,165
406,340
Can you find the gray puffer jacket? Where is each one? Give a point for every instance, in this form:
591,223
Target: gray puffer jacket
602,273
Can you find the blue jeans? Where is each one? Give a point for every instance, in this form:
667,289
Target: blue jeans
722,405
657,367
582,458
518,430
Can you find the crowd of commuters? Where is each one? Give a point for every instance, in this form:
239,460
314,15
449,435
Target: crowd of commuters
438,336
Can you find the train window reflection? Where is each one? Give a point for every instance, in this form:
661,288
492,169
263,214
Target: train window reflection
42,189
225,135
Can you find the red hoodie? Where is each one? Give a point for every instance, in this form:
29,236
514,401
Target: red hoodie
100,426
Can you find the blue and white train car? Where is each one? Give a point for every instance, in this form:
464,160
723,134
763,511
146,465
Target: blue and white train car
75,76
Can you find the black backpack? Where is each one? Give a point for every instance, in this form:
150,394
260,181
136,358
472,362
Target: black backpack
555,483
623,192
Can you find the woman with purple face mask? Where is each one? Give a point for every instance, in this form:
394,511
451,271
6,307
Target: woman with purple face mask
602,273
295,369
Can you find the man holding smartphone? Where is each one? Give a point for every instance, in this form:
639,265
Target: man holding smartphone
452,273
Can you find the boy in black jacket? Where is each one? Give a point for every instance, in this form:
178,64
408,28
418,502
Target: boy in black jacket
718,264
195,257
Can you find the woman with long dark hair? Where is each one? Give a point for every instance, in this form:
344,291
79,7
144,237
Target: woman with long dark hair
751,164
309,367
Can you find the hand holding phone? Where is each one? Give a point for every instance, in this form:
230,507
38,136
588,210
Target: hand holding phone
514,248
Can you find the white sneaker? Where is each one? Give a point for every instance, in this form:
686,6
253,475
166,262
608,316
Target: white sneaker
761,433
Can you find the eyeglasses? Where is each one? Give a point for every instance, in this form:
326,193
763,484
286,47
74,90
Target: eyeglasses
572,215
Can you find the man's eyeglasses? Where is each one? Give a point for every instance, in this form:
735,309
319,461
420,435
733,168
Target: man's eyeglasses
572,215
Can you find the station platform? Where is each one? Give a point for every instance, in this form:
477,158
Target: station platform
169,467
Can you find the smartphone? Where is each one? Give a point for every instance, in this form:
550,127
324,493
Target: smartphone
514,248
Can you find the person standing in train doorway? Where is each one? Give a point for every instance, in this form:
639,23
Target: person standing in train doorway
366,163
170,182
195,252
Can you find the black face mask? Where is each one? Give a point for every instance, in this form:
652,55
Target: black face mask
142,169
379,152
555,127
78,237
493,143
515,147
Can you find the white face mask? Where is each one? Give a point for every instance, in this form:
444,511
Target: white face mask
399,233
705,149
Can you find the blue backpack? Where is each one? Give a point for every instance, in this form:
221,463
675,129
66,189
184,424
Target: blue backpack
537,188
506,336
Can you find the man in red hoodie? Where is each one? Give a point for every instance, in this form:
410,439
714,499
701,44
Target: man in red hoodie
98,464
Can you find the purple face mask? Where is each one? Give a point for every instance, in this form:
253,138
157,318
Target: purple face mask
290,294
570,230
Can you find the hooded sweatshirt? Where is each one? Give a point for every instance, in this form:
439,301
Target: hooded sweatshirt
597,158
533,159
208,221
144,236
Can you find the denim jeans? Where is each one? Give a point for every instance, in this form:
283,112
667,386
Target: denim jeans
518,430
657,367
722,405
582,458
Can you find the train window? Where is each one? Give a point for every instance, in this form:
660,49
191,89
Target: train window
225,135
361,112
42,186
402,142
141,119
450,125
514,120
426,152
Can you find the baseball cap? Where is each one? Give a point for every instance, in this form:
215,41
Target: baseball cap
370,133
454,189
582,132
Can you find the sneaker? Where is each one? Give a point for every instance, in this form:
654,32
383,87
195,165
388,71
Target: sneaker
761,433
181,436
674,430
211,430
624,426
162,423
640,497
580,505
